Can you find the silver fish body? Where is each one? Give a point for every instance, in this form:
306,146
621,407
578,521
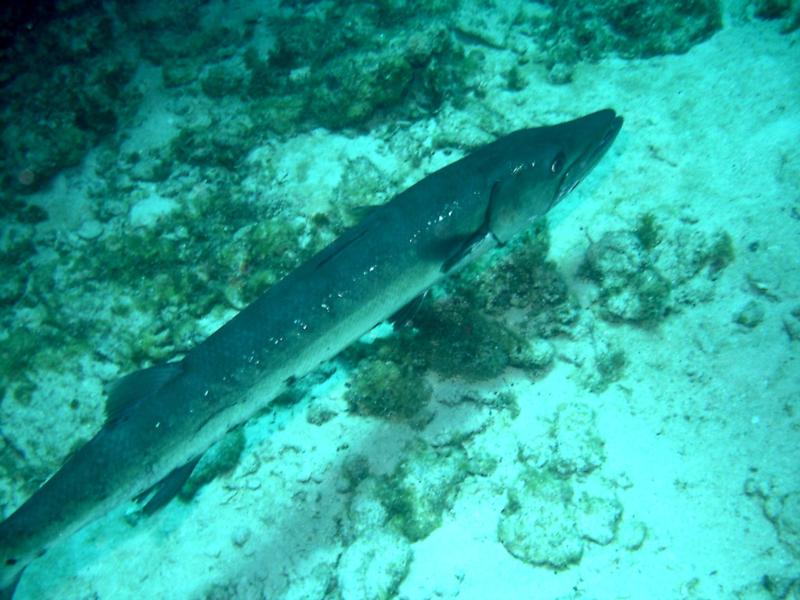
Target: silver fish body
169,415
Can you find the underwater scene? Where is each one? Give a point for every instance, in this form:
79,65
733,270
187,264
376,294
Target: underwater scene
475,299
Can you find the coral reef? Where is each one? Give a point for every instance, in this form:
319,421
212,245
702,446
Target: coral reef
781,508
632,28
421,489
388,389
523,279
538,524
646,273
557,504
53,112
374,566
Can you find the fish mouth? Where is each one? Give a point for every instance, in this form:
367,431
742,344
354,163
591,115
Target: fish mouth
600,129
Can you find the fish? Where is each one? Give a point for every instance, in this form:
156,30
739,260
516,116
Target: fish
161,419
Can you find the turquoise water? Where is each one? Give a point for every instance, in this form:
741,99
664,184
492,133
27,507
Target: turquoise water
605,408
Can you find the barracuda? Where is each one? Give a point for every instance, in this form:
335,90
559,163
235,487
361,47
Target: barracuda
162,419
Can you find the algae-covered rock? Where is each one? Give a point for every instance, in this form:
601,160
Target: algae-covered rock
12,283
221,81
455,337
374,566
632,534
781,508
387,389
648,231
615,259
750,315
538,523
608,366
349,62
179,72
598,517
688,252
546,522
578,447
567,445
644,300
365,510
354,470
421,489
785,515
320,412
457,340
351,89
533,356
523,279
787,11
56,112
631,28
216,142
771,9
236,251
770,587
647,272
16,248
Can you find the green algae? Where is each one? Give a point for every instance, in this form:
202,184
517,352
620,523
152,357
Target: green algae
648,231
646,273
524,278
453,338
421,488
465,334
387,389
190,256
575,31
610,367
721,253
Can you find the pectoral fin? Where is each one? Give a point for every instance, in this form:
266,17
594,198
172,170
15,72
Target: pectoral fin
473,245
169,487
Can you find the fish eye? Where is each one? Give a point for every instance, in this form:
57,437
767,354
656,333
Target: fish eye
10,562
558,163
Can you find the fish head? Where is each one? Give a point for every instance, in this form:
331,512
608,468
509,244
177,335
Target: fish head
540,166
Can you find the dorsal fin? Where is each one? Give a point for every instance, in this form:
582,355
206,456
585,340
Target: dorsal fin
338,246
361,212
137,385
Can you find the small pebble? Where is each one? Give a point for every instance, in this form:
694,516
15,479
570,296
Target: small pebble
240,536
751,315
632,534
90,230
791,325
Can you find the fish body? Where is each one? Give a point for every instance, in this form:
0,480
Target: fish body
163,418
